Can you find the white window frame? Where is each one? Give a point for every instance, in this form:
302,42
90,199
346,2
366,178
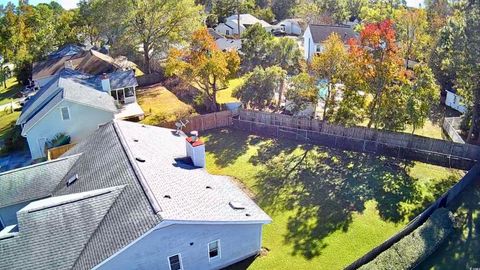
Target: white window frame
179,259
219,256
68,111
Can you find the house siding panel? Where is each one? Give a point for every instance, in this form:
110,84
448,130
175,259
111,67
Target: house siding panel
83,121
237,242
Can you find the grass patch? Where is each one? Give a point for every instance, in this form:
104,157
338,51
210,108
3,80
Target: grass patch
7,123
161,106
8,94
328,206
225,96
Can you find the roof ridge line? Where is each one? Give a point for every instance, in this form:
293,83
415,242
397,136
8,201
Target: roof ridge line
138,173
39,164
97,193
99,224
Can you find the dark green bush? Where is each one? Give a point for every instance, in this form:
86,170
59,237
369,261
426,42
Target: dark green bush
59,140
417,246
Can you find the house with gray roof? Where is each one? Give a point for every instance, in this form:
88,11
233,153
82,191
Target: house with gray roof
316,34
75,104
129,196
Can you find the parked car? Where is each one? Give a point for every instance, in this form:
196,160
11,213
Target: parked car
279,32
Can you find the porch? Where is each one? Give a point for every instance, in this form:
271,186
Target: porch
129,111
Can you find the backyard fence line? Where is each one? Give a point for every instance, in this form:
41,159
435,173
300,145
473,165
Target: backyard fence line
445,200
209,121
360,139
450,126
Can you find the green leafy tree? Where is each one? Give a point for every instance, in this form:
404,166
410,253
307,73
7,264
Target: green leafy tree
282,8
287,55
302,93
204,65
158,23
257,46
424,94
412,33
259,88
332,65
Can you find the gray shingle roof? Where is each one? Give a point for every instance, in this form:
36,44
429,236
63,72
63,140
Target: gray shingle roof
189,199
69,85
54,231
108,160
320,32
33,182
122,79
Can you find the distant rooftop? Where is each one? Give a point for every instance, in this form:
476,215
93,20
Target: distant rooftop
321,32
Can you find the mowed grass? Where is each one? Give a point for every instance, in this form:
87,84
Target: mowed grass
329,207
162,106
226,95
7,123
8,94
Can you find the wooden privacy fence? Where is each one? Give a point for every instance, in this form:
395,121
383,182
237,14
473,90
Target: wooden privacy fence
361,139
56,152
209,121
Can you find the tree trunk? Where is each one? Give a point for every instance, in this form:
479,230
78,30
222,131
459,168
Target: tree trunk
280,93
146,56
214,95
327,98
474,134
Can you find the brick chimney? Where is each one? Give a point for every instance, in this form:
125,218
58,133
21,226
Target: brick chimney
195,149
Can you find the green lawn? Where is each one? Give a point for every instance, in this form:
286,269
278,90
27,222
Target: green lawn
329,207
7,123
225,96
161,106
7,94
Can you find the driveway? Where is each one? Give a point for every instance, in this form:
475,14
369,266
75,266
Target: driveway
15,160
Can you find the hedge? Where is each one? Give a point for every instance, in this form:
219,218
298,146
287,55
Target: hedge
412,249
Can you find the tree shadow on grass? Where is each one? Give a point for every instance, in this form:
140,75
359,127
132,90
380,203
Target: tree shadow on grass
324,187
228,145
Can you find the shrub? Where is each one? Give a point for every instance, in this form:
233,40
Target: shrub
418,245
59,140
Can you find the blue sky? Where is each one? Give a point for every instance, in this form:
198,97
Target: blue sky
68,4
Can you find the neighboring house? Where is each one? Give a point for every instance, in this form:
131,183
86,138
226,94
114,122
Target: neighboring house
316,34
127,197
223,43
230,26
291,27
77,58
455,102
75,104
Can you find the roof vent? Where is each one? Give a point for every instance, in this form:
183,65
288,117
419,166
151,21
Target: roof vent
140,159
236,205
135,140
167,197
72,179
247,214
208,187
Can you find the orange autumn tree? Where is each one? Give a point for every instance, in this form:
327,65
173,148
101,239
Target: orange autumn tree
204,65
378,59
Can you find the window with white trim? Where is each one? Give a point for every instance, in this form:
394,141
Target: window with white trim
214,249
175,262
65,113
